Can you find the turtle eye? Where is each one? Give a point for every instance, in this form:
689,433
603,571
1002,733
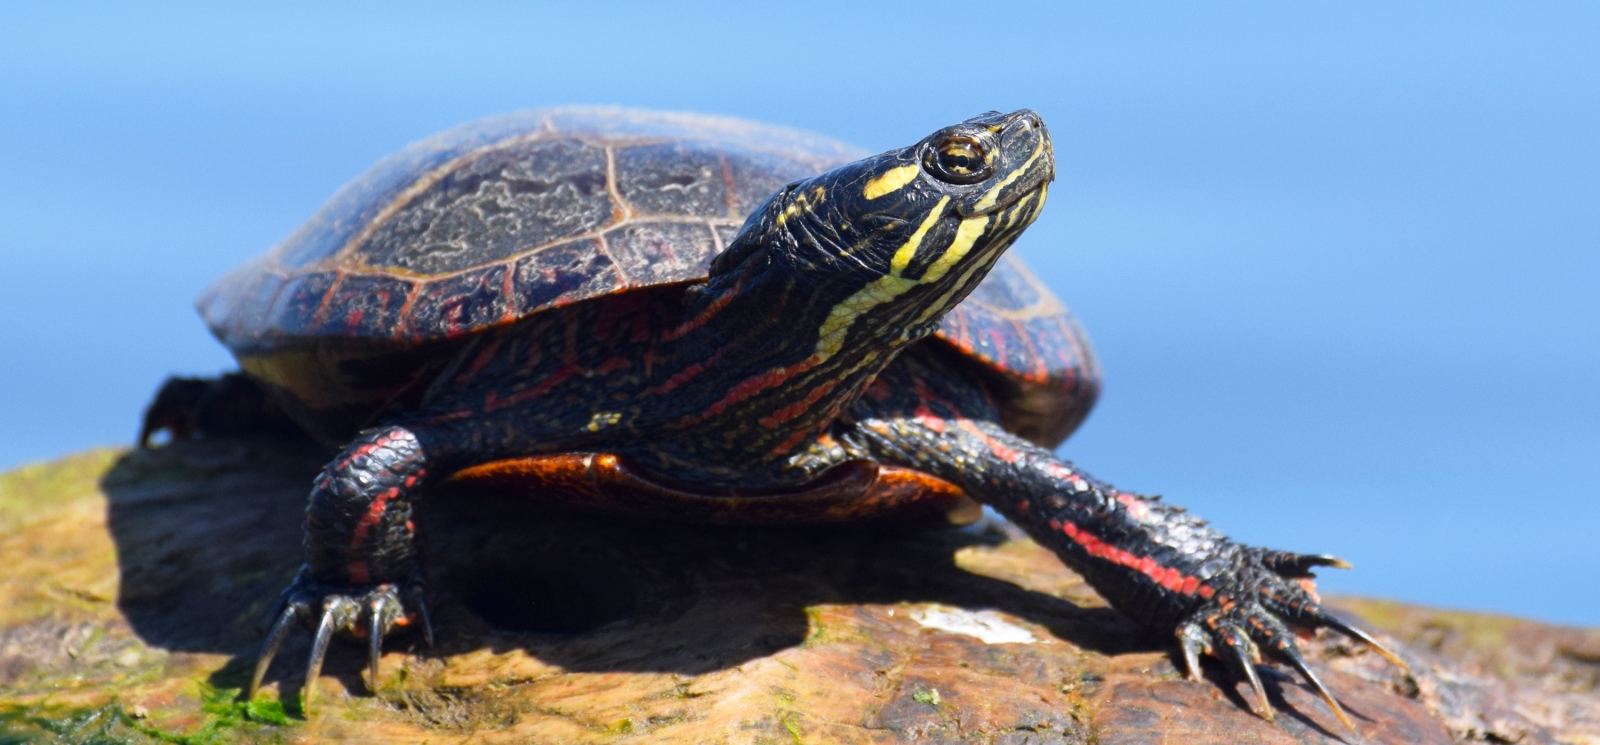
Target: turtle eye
959,160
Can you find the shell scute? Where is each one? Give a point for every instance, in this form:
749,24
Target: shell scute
232,304
673,178
655,253
457,305
755,177
1014,327
299,300
1010,288
365,305
354,207
563,273
492,206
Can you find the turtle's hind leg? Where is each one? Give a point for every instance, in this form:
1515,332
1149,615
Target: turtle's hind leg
362,571
192,408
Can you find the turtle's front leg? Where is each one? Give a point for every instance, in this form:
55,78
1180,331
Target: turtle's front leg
362,571
1153,562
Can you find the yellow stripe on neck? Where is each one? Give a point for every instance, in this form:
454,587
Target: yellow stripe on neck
830,337
902,256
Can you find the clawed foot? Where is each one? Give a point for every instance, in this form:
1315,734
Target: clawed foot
1254,613
369,611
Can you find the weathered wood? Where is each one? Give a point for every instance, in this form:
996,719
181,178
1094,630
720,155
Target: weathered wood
133,586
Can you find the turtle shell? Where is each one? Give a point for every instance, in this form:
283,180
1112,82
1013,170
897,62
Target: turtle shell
497,220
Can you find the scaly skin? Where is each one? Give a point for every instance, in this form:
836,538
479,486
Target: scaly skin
803,349
1156,563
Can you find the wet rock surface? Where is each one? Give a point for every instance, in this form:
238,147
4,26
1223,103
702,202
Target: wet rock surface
133,586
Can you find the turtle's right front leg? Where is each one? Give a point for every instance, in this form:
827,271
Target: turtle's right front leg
362,570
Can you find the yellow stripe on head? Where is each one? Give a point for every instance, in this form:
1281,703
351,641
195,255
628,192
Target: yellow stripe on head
993,195
967,234
890,181
802,204
830,338
903,255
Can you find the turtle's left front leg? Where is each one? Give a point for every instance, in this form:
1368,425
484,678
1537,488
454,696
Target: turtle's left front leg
1155,563
362,571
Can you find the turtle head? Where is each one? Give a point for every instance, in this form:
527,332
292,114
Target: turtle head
836,274
903,236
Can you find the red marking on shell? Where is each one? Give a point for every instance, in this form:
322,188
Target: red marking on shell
508,291
327,298
1027,357
403,326
999,341
1206,591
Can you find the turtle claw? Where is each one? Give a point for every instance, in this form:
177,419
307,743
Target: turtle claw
1253,613
374,645
370,611
418,598
1298,662
269,649
331,611
1192,640
1295,566
1245,657
1355,632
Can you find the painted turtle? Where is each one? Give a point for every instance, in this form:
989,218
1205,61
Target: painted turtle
675,315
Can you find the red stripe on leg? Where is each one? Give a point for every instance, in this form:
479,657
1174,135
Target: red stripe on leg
373,517
1167,577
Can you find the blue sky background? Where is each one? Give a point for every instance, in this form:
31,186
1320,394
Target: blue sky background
1341,261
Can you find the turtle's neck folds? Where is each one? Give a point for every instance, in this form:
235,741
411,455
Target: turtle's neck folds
783,367
792,347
